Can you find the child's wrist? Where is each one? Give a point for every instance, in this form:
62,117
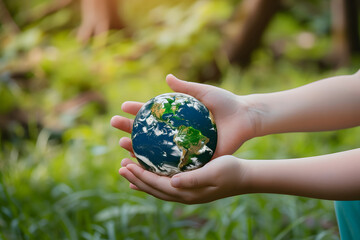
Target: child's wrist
257,177
245,177
257,111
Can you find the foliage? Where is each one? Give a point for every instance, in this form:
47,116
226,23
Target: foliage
58,170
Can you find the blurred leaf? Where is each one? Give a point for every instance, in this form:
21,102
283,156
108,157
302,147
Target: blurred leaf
125,212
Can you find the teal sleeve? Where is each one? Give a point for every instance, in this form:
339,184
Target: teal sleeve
348,217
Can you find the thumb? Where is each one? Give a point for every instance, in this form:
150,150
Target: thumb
196,90
193,179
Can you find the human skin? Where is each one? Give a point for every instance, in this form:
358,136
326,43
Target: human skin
328,104
98,17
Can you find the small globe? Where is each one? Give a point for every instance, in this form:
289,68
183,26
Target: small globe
172,133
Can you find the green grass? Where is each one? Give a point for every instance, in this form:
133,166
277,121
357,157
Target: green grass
61,182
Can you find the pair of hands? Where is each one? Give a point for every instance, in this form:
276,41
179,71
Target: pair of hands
223,176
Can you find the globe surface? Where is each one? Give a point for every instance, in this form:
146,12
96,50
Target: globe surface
173,132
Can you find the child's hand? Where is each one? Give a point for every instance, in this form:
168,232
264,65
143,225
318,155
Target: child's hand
324,105
235,122
222,177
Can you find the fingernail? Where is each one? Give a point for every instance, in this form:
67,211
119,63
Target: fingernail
120,140
112,120
175,181
172,75
122,106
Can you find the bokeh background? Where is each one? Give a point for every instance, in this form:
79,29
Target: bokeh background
65,70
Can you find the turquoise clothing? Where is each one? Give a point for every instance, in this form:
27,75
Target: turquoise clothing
348,217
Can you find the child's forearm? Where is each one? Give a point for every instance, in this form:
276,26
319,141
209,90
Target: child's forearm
334,176
328,104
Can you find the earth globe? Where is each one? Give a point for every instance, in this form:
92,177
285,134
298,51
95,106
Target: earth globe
172,133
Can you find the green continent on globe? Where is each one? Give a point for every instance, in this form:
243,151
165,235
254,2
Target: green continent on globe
191,142
159,109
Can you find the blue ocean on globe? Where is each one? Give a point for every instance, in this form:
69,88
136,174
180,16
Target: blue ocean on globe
172,133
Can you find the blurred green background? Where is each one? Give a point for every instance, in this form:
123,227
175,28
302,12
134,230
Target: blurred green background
59,156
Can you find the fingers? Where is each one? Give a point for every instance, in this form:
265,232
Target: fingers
122,123
126,124
131,107
134,187
131,173
127,161
160,186
125,143
160,183
196,90
198,178
83,33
